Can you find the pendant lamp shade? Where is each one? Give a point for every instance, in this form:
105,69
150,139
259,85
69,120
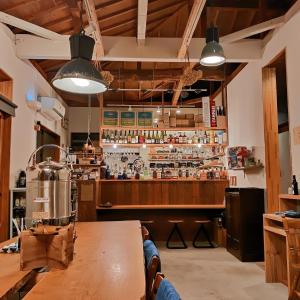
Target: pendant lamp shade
213,53
79,75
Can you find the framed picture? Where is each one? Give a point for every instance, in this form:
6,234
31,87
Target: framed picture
110,118
145,118
127,118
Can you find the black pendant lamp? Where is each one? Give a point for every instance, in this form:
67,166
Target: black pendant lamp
79,75
212,54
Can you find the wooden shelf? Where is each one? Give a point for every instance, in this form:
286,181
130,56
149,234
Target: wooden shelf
200,206
289,197
162,129
245,169
276,230
160,145
161,180
273,217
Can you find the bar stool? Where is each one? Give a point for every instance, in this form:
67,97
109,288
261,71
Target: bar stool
176,229
202,228
146,224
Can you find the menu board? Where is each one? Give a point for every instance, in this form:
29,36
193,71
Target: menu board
145,118
127,118
110,118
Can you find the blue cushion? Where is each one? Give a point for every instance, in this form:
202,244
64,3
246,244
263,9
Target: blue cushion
166,291
150,250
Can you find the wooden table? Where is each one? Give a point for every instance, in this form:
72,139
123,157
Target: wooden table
11,278
108,265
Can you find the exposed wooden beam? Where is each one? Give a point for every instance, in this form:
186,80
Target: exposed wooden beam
30,27
191,26
252,30
292,11
142,21
193,101
93,21
121,48
75,13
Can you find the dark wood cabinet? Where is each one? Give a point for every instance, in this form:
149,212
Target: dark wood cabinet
244,223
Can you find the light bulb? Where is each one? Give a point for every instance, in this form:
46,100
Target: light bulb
158,110
155,120
115,146
80,81
129,108
144,146
171,146
199,145
178,111
213,60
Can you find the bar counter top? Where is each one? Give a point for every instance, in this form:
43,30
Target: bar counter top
162,180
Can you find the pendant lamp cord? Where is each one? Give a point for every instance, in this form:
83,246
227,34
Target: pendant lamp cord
81,18
89,141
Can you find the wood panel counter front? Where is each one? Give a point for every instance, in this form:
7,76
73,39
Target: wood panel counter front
108,265
162,192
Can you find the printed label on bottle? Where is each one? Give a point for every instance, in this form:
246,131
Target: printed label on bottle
38,215
41,199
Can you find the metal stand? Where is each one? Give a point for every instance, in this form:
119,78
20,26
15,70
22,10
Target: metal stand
176,229
202,228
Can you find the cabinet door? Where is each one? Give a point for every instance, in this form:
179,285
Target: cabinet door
233,215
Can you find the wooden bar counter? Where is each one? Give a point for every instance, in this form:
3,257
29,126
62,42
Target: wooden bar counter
154,199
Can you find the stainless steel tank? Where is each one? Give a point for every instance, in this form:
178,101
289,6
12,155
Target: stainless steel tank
48,191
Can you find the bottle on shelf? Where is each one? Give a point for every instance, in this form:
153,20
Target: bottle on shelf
152,138
136,137
161,138
295,186
103,137
129,137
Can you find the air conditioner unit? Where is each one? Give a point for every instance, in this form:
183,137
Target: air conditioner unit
51,108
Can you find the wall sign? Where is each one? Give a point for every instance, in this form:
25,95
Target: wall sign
110,118
145,118
127,118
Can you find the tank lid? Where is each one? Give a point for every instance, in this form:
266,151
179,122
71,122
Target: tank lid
50,164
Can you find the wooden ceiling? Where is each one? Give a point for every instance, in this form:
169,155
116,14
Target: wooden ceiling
167,18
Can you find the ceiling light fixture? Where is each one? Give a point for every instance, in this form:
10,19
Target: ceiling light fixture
79,75
212,54
158,110
178,111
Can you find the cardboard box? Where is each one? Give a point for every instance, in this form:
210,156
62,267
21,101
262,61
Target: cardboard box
172,121
180,117
182,123
172,113
198,118
189,116
221,121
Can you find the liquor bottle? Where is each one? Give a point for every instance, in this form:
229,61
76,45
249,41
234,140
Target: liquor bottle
180,139
125,138
103,137
137,138
165,137
129,137
204,138
211,137
117,137
112,137
184,139
148,141
161,138
216,138
169,139
156,138
190,139
152,138
295,186
176,139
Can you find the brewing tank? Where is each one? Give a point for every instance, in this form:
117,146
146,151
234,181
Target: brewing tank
48,191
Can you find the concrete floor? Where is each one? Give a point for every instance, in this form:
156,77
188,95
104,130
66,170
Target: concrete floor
214,274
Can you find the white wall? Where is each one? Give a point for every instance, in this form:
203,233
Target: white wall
26,80
245,120
245,97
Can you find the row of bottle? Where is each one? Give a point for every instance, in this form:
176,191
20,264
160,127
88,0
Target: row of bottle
161,137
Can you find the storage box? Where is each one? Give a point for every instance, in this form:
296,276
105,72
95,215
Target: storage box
54,251
172,121
221,121
189,116
198,118
182,123
180,116
172,113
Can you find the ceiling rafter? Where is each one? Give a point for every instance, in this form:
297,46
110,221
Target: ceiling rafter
142,21
75,13
193,19
93,21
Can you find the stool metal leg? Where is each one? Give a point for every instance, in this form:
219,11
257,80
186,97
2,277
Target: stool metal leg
176,229
202,228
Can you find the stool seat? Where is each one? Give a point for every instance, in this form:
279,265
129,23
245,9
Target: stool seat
175,221
202,221
147,221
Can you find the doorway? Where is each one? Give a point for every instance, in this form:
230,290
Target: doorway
46,136
7,110
277,132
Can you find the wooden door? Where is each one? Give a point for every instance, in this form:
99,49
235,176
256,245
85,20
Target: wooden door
5,132
271,138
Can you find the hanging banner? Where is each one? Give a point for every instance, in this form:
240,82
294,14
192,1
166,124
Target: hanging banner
145,118
110,118
213,117
127,118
